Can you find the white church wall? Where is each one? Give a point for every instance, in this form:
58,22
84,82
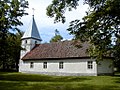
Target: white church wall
70,67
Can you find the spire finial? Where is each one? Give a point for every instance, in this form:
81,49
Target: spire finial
33,11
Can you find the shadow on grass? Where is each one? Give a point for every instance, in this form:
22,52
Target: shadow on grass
116,75
73,87
18,81
40,78
117,80
52,86
5,73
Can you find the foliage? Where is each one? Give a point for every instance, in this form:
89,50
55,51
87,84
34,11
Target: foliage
14,50
10,13
100,24
13,47
57,37
58,8
18,81
117,54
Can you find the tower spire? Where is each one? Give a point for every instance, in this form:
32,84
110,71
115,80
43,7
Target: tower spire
32,32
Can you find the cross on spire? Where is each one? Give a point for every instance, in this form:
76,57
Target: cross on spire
33,11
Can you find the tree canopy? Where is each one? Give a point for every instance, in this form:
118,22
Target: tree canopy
13,49
11,12
57,37
98,27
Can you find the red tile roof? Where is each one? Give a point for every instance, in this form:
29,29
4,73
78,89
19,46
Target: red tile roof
65,49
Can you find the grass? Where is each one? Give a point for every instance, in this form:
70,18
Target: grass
19,81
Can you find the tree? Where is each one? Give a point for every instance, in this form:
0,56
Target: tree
117,54
58,8
13,47
57,37
10,13
13,50
101,22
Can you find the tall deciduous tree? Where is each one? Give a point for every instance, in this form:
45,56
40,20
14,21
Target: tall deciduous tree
13,51
102,21
10,13
57,37
117,54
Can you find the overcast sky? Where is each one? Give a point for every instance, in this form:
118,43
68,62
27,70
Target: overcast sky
45,24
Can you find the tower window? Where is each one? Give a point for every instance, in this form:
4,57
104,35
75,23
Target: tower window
35,42
25,41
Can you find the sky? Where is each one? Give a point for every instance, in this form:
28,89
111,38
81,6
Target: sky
45,24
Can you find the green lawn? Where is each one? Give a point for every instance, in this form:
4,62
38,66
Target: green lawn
18,81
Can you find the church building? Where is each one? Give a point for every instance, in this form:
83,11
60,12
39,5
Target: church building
58,58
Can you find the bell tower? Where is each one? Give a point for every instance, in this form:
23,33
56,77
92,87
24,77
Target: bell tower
30,38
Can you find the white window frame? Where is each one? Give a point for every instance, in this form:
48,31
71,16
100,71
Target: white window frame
45,65
90,64
31,64
61,65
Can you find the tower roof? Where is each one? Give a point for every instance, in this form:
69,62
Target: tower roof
32,31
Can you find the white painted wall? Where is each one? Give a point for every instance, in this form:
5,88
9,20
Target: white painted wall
27,46
78,66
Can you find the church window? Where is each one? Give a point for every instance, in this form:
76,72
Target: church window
90,64
31,64
60,65
45,65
